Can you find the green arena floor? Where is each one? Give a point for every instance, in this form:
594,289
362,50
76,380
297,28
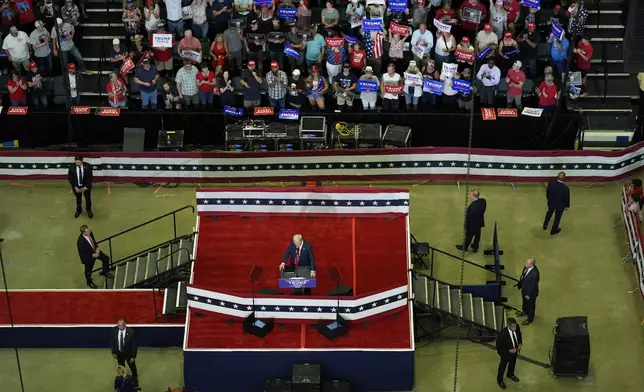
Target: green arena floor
581,274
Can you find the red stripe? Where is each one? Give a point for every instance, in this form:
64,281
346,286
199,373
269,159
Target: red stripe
323,189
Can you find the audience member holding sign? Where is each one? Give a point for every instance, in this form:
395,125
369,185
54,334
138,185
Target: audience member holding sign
317,86
413,86
391,88
445,48
345,85
355,13
368,85
430,77
422,42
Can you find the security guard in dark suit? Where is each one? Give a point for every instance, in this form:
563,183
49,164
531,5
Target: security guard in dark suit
529,286
474,222
558,196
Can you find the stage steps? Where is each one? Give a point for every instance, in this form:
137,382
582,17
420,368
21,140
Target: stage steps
154,268
435,296
175,299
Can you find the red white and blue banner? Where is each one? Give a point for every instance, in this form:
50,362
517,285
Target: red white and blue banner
635,238
427,163
301,201
299,308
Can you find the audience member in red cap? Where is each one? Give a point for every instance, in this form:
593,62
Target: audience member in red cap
252,83
277,82
75,84
34,82
486,38
529,48
17,90
558,16
507,52
513,8
467,8
254,40
515,81
317,86
464,54
584,52
498,17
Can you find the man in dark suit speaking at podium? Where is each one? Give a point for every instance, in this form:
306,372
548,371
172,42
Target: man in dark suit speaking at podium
298,254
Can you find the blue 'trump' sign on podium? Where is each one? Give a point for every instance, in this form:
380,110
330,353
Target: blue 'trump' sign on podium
298,283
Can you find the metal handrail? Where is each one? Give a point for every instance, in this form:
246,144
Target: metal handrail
172,266
116,263
155,289
466,261
487,299
174,226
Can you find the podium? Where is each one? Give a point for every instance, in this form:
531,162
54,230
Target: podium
298,279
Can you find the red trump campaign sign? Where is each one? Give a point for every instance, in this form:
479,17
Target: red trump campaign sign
393,89
81,109
334,42
109,112
263,111
488,113
507,112
17,110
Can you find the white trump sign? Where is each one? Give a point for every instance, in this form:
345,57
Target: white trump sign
161,40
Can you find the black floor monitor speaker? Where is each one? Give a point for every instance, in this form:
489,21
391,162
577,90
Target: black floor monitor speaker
257,327
133,139
336,386
571,349
277,385
306,378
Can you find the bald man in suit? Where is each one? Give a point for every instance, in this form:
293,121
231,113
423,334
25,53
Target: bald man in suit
474,222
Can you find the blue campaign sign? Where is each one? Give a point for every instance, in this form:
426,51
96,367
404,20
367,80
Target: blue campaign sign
287,13
350,39
263,3
532,3
291,52
557,31
575,90
484,53
289,114
367,85
371,24
433,86
233,111
462,86
397,5
512,52
297,283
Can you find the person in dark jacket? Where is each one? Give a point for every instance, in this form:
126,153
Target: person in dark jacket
508,345
474,222
124,348
89,252
80,177
558,196
529,286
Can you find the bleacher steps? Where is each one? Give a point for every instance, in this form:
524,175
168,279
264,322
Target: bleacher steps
141,264
151,266
182,297
479,312
455,299
170,296
130,274
499,313
468,307
444,299
162,263
490,317
119,277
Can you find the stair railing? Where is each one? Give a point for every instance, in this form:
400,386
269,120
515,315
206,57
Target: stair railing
460,259
174,231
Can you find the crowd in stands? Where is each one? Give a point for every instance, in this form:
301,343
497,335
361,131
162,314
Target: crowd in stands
290,54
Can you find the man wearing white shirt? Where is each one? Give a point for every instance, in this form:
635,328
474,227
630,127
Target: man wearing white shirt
508,345
80,177
489,75
16,46
422,42
175,17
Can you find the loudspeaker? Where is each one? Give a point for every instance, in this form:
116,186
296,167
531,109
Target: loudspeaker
571,349
257,327
336,386
170,140
396,136
277,385
306,378
133,139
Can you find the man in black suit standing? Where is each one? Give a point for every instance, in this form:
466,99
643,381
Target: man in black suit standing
80,178
558,196
474,222
88,251
529,286
300,254
508,345
124,347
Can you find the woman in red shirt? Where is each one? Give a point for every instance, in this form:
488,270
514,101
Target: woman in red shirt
548,93
357,59
218,54
206,84
513,8
17,87
584,52
116,90
446,14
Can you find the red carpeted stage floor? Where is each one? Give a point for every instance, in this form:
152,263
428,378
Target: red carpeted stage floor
40,307
370,253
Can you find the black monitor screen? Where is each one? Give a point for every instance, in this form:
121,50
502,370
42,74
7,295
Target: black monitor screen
312,124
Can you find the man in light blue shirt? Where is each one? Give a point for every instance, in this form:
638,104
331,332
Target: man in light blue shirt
314,48
559,53
422,42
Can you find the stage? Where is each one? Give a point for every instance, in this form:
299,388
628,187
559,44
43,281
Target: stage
361,231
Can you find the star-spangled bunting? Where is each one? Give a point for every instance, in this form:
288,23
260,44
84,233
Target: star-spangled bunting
299,307
301,202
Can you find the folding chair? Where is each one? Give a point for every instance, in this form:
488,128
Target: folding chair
419,250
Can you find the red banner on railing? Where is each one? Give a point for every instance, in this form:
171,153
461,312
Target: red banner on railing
264,111
109,112
17,110
81,109
507,112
